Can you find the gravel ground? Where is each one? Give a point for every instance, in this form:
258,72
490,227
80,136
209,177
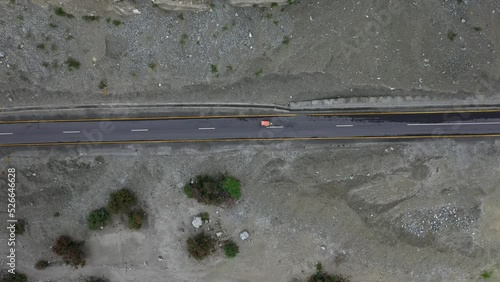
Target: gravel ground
307,50
416,211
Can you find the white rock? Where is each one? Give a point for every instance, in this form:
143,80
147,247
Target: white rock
135,11
218,234
244,235
197,222
323,248
160,258
250,35
2,54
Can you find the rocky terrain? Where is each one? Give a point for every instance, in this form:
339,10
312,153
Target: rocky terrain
137,52
417,211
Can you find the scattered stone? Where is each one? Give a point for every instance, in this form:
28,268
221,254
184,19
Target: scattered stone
244,235
323,248
218,234
135,11
197,222
10,98
250,35
160,258
2,54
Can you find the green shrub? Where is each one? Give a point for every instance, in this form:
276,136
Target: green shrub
232,186
59,11
18,277
70,250
121,201
136,218
212,190
486,274
200,246
451,35
213,68
231,249
41,264
91,18
102,84
98,218
117,22
321,276
72,64
20,226
204,216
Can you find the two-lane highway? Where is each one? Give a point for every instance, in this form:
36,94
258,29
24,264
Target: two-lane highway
237,128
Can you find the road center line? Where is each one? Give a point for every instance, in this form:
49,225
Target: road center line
6,133
275,126
453,123
206,128
344,125
140,130
71,132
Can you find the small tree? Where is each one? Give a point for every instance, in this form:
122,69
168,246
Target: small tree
121,201
231,249
136,218
200,246
98,218
70,250
41,264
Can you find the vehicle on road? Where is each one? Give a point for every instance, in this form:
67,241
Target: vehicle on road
265,123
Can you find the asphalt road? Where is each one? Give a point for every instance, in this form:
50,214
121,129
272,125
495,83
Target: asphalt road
345,126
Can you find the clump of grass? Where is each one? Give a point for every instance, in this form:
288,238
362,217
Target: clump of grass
259,72
486,274
121,201
225,28
478,28
322,276
116,22
231,249
451,35
274,5
213,68
53,47
136,218
232,186
102,84
69,37
56,214
152,66
20,226
286,40
229,68
133,74
72,64
183,40
52,25
41,46
200,246
59,11
46,65
181,16
91,18
96,279
41,264
17,277
98,218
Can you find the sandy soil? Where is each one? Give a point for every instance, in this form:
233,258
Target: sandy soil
383,211
307,50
